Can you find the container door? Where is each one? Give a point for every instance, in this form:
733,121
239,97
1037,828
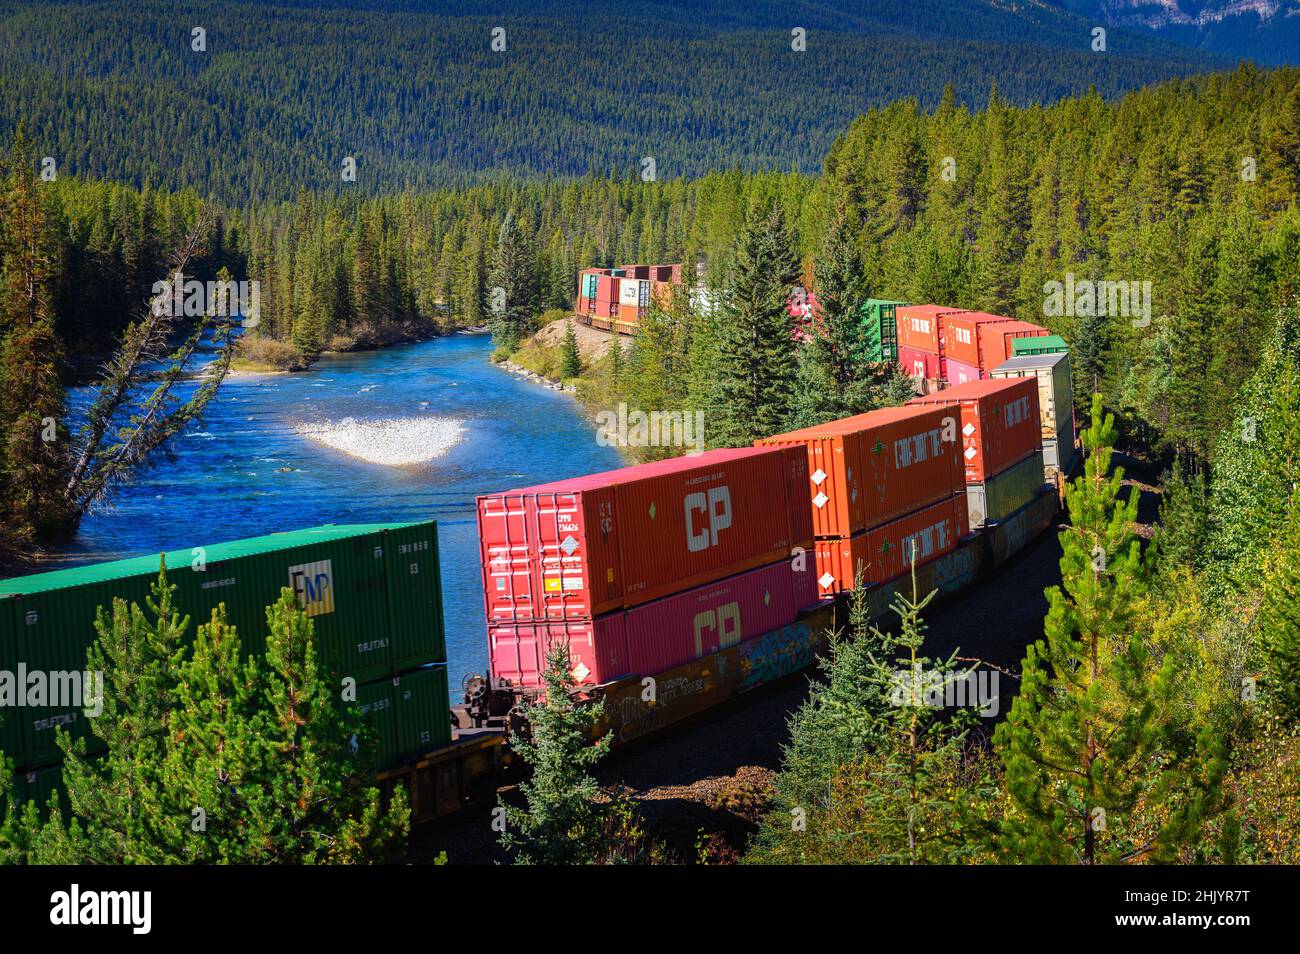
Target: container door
414,596
423,711
375,702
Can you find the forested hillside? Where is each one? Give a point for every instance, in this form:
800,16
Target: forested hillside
280,95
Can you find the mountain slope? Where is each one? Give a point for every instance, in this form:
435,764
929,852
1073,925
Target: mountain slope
283,93
1266,31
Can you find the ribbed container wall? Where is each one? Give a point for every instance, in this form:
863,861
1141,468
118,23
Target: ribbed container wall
372,592
995,340
960,335
955,372
415,614
999,423
834,470
1055,389
1003,494
1043,344
919,364
598,648
885,552
422,702
580,548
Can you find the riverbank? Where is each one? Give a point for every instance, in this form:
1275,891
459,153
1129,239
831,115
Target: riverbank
259,355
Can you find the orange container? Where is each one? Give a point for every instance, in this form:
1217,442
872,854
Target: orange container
959,334
918,325
866,470
999,423
886,552
995,340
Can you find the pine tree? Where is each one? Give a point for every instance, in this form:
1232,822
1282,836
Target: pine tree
214,757
513,286
1278,620
1184,523
32,402
570,356
562,823
1085,747
756,363
839,371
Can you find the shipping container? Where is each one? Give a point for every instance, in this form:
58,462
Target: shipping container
999,423
11,722
410,714
346,577
955,372
607,289
884,553
655,636
918,326
1059,454
995,340
1044,344
598,649
1055,389
710,618
629,292
37,785
868,469
1003,494
960,336
881,317
423,706
921,365
628,314
582,547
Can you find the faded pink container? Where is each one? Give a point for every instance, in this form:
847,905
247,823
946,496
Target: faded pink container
919,364
686,626
598,648
657,636
958,372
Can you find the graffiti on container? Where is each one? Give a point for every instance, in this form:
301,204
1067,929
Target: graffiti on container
776,654
634,718
955,570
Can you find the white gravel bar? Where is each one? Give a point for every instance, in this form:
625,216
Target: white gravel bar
400,442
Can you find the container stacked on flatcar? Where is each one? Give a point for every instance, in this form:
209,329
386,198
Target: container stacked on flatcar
372,591
1001,445
942,347
647,567
885,489
1051,371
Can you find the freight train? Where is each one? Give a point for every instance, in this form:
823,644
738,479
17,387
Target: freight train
677,585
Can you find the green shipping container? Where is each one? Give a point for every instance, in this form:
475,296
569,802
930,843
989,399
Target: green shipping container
38,786
423,711
882,328
409,713
415,596
371,590
1048,344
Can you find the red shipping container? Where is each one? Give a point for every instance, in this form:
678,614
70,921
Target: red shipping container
918,326
999,423
871,468
883,553
598,649
686,626
919,364
995,340
582,547
606,288
959,334
957,372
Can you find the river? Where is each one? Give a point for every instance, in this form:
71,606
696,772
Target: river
256,464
